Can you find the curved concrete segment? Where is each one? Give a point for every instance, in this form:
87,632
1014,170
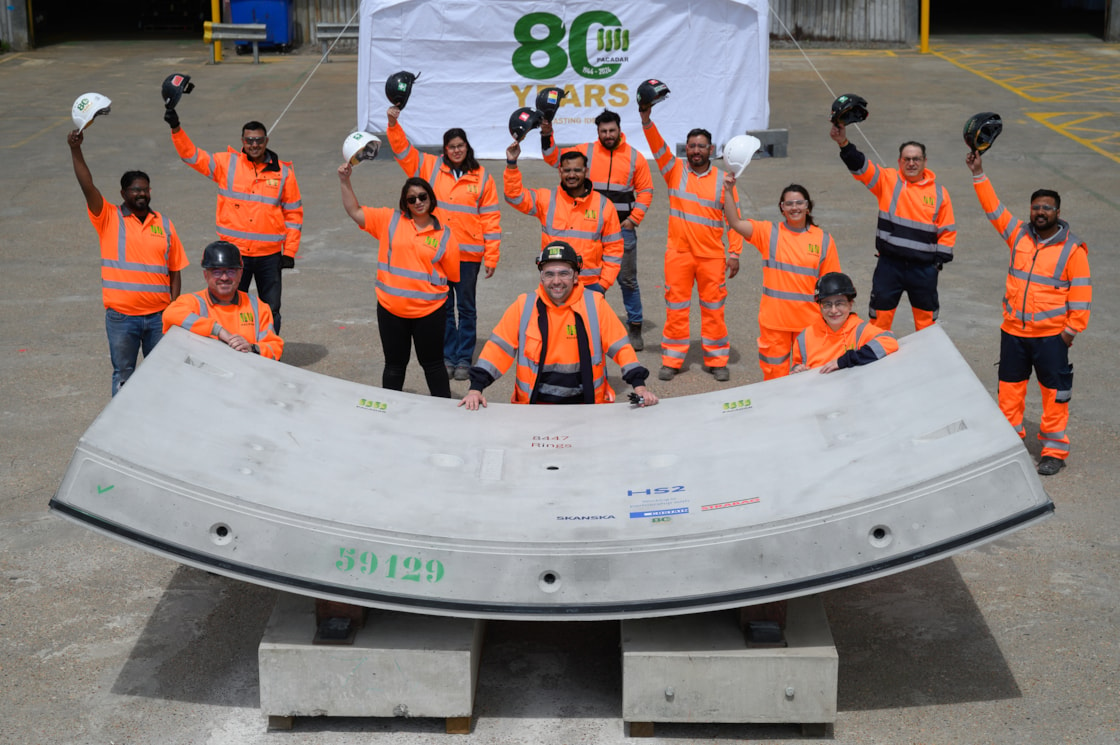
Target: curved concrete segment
282,477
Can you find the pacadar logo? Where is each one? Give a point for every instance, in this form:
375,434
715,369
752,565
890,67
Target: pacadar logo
597,45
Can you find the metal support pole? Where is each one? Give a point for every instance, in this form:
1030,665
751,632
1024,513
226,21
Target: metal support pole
924,49
216,17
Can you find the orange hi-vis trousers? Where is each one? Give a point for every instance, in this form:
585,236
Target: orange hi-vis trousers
682,271
774,347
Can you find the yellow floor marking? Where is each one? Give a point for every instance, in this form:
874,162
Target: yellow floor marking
1104,140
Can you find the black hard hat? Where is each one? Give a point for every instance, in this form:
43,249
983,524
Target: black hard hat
560,251
652,92
849,109
398,87
221,255
522,121
835,283
548,101
174,86
981,130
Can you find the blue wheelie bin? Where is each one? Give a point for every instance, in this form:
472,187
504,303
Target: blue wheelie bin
277,15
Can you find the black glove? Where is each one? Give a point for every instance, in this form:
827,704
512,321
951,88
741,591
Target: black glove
287,262
171,118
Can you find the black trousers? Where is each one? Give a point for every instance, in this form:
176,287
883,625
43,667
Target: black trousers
266,269
398,335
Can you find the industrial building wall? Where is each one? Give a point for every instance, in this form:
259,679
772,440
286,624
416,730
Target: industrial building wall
890,21
309,12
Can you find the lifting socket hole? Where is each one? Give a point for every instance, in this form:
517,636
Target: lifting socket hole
220,534
880,536
549,581
553,468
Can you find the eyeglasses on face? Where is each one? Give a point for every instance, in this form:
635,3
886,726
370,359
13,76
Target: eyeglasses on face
253,140
224,272
413,199
557,274
837,304
794,203
913,159
1043,208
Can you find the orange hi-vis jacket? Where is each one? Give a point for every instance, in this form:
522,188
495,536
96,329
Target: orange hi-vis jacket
856,343
259,206
1048,285
696,221
621,175
915,219
249,318
517,338
468,204
588,223
413,266
792,261
136,259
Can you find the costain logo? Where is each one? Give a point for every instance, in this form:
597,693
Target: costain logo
597,45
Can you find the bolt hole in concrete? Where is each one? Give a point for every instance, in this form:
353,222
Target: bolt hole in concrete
220,534
880,536
553,468
549,581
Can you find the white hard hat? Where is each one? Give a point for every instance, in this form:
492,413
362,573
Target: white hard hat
360,146
739,150
86,107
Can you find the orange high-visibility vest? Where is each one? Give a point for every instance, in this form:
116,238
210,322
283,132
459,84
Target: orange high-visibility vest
792,261
136,258
857,342
915,219
696,221
588,223
468,204
517,338
413,266
249,318
1048,288
259,207
621,175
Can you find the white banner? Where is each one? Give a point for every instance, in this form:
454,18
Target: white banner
479,61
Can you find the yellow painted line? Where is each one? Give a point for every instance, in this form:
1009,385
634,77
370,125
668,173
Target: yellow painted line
1065,128
40,133
985,76
11,56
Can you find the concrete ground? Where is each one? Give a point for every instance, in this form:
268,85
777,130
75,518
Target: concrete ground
103,643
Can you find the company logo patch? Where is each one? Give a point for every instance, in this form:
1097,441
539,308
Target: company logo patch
596,45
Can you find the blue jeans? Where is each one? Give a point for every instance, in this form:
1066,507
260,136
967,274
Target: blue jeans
459,339
127,335
628,277
266,270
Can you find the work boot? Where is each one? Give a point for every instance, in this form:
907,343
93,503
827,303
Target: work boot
462,372
722,374
666,372
634,331
1049,465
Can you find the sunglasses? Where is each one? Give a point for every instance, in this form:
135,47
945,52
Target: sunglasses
253,140
416,198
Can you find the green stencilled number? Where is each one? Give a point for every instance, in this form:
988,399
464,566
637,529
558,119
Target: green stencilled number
346,563
743,403
550,45
369,562
578,42
435,570
412,565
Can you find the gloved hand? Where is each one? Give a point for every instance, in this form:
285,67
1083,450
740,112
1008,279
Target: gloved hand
287,262
171,118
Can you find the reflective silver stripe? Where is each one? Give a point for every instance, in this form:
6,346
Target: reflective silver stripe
400,154
632,366
133,267
1038,279
801,348
266,237
502,344
593,329
486,365
1080,282
1060,435
695,219
562,368
1078,306
586,272
668,351
562,233
1056,445
470,247
796,297
397,271
877,347
547,389
452,207
1021,430
1000,209
906,243
521,198
292,205
249,197
491,236
523,386
712,306
808,271
486,209
414,294
522,359
720,352
688,196
434,277
684,305
721,342
608,259
161,289
894,219
1063,397
773,360
613,349
612,237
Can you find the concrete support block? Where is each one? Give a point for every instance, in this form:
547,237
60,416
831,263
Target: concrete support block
698,668
400,664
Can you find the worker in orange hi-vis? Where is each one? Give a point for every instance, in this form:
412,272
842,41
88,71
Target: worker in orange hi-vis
1046,304
695,252
838,338
223,312
795,254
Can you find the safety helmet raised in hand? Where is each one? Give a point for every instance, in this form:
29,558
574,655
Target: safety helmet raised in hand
221,255
981,130
360,146
738,151
548,101
835,283
398,87
560,251
173,88
848,109
652,92
87,107
522,121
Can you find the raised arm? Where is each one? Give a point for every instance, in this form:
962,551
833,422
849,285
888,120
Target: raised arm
94,200
349,198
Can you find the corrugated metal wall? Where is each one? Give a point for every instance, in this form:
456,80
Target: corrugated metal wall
895,21
309,12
